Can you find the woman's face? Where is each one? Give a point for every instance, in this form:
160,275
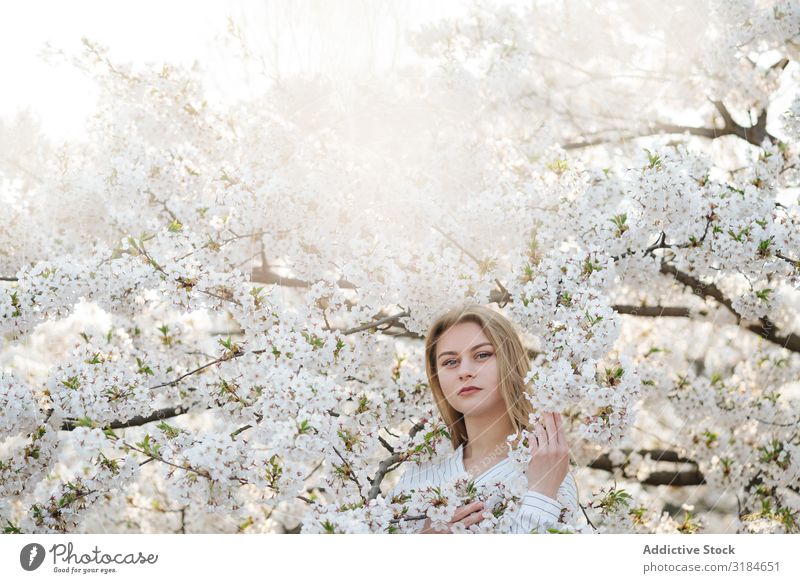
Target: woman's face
465,357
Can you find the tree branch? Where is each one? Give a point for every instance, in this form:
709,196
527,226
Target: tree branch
161,414
699,288
376,323
766,329
754,134
265,275
654,311
691,477
383,467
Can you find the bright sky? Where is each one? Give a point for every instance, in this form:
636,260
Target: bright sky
308,35
337,38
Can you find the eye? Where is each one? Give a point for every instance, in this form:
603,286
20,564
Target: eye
448,360
488,354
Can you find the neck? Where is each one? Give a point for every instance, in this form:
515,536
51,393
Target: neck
487,436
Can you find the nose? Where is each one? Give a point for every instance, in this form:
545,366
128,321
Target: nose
465,371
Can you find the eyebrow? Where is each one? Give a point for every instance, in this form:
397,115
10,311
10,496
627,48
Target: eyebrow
441,354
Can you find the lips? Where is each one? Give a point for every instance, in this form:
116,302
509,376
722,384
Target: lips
469,390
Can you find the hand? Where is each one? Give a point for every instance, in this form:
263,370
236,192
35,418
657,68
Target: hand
468,515
550,456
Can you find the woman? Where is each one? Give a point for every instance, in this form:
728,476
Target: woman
476,366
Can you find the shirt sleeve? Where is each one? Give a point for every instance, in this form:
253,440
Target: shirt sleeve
537,512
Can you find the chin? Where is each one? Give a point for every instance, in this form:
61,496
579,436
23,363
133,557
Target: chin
483,406
477,408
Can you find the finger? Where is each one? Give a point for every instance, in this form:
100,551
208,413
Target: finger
550,428
541,437
466,510
465,520
460,513
474,518
561,438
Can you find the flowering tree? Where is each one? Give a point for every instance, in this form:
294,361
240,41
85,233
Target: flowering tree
212,314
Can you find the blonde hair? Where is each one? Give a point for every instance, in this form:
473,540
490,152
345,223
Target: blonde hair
512,361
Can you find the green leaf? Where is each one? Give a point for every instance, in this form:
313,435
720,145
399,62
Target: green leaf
558,166
72,383
763,247
654,160
143,368
763,294
363,405
84,422
619,222
149,447
170,431
339,345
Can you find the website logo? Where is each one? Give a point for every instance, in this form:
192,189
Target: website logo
31,556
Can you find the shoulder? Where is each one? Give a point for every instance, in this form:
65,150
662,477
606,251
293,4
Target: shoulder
424,474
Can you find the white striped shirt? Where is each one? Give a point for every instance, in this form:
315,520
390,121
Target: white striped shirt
536,511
